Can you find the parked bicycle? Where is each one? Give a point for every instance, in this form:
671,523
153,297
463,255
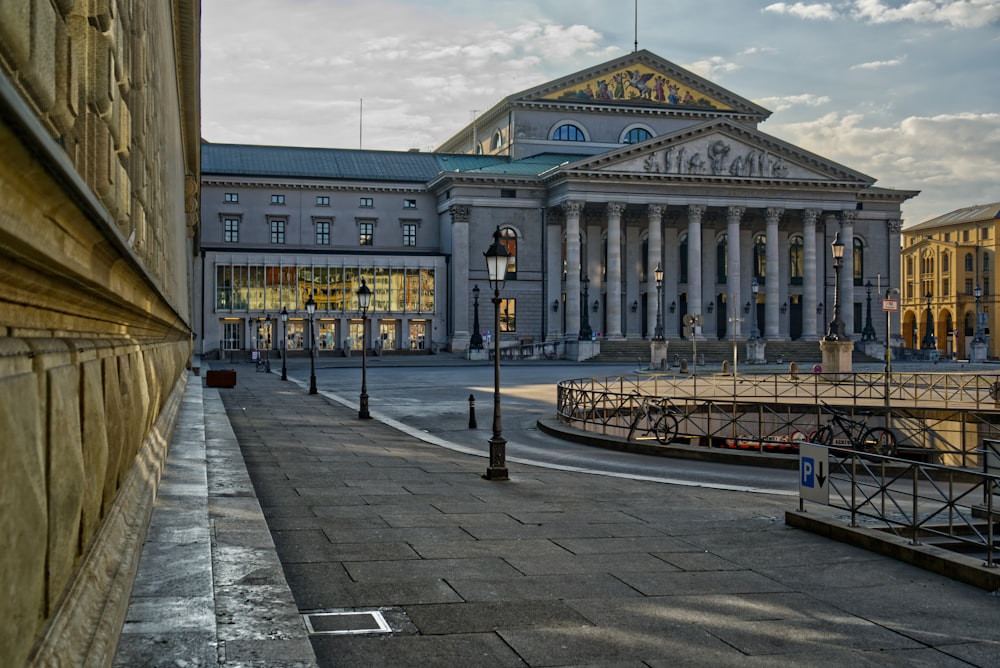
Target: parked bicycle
656,418
875,440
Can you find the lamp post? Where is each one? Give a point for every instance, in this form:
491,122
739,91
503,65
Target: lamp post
267,353
928,341
978,338
834,331
311,310
364,301
755,289
585,331
868,333
496,266
476,342
284,342
658,275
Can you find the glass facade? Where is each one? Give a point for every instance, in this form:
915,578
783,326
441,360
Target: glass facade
257,287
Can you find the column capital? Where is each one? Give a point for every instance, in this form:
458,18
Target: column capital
847,216
894,224
773,214
809,216
734,214
655,211
616,208
572,207
695,212
460,213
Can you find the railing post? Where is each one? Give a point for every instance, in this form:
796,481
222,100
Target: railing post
916,504
989,526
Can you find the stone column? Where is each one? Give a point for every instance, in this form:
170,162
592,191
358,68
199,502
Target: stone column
695,263
613,299
655,218
461,217
572,210
895,280
553,272
810,273
733,216
847,271
772,288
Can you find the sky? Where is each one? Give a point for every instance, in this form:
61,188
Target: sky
905,91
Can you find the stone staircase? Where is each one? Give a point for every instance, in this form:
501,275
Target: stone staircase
714,351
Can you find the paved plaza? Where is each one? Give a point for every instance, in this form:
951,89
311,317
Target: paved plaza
280,509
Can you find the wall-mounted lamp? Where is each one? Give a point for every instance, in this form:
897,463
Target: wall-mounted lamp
711,307
635,306
819,307
555,305
597,305
673,306
746,307
784,308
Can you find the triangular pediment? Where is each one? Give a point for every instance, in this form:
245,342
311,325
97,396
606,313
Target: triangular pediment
723,150
643,79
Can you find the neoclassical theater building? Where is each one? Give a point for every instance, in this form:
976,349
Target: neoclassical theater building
593,180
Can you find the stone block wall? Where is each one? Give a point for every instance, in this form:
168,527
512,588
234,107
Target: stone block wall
99,174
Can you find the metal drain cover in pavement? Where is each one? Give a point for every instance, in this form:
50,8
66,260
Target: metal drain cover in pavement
346,623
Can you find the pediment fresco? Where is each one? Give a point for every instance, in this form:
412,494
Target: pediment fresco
639,84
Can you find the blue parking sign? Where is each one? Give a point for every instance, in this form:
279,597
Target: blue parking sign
807,467
814,473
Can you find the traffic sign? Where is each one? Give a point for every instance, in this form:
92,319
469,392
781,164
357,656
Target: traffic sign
890,305
814,473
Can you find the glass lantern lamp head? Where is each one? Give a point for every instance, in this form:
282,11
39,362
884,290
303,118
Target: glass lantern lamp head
978,291
755,287
496,261
837,248
310,305
364,296
658,275
284,314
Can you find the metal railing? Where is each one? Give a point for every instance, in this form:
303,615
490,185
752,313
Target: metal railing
917,501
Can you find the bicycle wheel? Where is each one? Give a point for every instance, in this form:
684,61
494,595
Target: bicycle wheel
666,429
824,435
879,441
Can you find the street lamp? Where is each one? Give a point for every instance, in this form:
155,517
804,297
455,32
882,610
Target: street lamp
658,275
476,342
284,342
364,301
978,338
585,331
928,340
311,310
836,327
868,333
755,289
496,266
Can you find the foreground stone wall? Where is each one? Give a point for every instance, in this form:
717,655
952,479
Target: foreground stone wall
99,173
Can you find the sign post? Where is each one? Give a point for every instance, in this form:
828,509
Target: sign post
814,473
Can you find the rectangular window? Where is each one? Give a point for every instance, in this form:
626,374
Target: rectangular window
947,236
965,235
231,230
968,286
986,233
508,315
409,234
277,199
277,231
946,287
322,200
367,203
506,193
323,233
232,335
232,197
367,234
409,204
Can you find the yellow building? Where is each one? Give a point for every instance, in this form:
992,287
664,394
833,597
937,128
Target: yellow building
947,267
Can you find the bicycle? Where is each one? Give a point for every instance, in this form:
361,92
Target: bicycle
874,440
660,421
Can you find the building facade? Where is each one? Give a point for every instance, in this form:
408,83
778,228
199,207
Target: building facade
593,180
949,295
100,140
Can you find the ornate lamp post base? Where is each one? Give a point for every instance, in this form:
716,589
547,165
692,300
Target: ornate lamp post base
837,356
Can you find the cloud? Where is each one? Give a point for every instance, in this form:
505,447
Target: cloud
947,154
814,12
713,67
754,50
783,102
956,13
879,64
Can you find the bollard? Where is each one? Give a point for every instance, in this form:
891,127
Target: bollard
725,366
472,411
793,369
684,366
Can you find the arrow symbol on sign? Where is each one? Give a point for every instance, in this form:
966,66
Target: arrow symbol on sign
820,476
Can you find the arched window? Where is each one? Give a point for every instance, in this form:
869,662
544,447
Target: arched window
859,261
909,266
683,264
795,259
636,135
721,258
497,141
760,258
946,262
508,237
568,132
968,261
